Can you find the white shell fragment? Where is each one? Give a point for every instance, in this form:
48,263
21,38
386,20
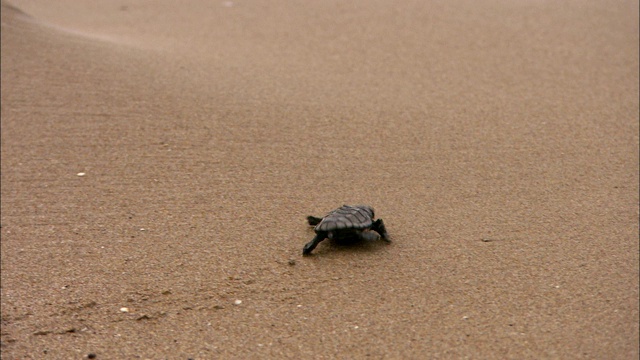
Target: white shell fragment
237,302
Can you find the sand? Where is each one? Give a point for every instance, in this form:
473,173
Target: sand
159,159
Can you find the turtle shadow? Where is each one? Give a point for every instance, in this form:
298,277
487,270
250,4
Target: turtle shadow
354,245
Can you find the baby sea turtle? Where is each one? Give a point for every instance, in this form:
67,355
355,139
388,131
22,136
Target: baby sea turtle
346,222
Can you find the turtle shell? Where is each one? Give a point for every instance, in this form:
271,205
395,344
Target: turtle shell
347,217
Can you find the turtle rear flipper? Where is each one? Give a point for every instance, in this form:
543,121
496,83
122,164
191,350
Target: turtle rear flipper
313,221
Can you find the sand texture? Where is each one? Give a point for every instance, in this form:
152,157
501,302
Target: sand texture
159,159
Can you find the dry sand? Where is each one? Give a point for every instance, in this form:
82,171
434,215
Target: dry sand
497,139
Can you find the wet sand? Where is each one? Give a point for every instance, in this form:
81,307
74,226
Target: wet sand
159,160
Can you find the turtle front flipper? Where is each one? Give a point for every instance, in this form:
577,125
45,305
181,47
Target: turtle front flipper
378,226
313,221
313,243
